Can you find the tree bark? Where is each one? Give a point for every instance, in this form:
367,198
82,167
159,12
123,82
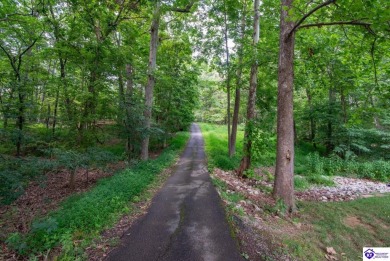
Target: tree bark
284,173
329,133
343,105
20,118
227,79
62,79
246,159
312,121
233,137
151,81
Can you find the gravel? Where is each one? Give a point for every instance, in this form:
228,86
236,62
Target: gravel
345,189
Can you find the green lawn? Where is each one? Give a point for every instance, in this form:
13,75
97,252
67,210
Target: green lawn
216,146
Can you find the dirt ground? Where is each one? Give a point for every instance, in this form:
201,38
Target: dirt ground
42,196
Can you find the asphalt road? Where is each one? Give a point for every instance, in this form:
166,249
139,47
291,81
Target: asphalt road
186,220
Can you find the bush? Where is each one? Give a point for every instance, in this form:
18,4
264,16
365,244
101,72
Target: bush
301,183
313,165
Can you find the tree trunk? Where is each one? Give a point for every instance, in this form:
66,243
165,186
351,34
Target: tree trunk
284,173
343,105
233,137
62,79
227,79
129,80
48,116
312,121
72,179
20,118
246,160
329,133
151,81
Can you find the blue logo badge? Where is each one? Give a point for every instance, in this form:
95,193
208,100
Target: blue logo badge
369,253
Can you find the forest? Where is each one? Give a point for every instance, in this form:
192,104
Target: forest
97,99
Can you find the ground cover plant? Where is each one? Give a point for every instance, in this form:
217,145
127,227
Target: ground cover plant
318,230
81,217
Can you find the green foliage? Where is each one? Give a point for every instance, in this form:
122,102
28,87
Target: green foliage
301,183
15,173
215,137
316,167
264,144
85,215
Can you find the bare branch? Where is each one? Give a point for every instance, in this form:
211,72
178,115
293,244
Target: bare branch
359,23
25,51
309,14
31,45
11,59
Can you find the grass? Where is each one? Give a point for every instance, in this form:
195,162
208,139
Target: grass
82,217
330,227
324,224
232,197
216,146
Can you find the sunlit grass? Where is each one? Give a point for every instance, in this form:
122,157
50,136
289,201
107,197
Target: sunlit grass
216,146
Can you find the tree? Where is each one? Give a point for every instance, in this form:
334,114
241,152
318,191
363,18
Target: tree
237,99
283,186
284,183
246,160
17,43
154,29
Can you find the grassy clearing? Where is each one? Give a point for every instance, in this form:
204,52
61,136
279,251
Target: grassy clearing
82,217
216,146
345,226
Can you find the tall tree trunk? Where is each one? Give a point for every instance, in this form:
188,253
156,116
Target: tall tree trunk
237,98
55,110
312,121
151,81
129,80
20,118
128,103
284,173
62,82
250,115
48,116
329,133
343,105
227,78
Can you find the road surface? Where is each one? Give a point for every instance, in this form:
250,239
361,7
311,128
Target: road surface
186,220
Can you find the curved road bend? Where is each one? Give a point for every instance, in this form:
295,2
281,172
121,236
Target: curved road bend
186,220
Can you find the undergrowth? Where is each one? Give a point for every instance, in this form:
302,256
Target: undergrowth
315,165
82,217
16,173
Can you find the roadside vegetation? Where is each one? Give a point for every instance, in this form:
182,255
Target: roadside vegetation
81,218
317,228
311,165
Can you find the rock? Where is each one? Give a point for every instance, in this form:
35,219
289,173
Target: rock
298,225
331,251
